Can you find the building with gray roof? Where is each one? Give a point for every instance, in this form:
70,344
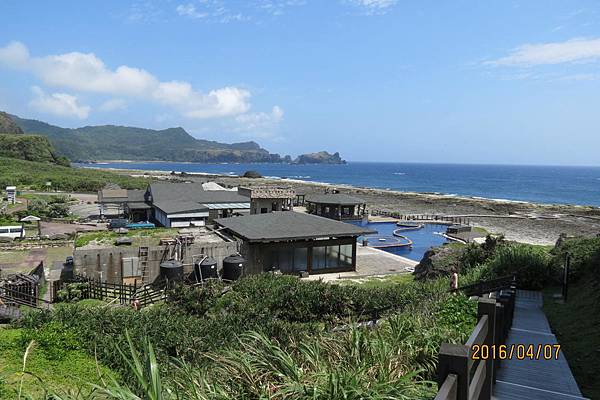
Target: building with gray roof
294,242
338,206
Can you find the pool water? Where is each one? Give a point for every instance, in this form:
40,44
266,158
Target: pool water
423,239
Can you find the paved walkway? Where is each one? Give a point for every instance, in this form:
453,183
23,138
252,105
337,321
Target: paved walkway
534,379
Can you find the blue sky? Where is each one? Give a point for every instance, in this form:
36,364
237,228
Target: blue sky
514,82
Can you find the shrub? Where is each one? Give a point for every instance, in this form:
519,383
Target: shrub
531,263
52,338
584,255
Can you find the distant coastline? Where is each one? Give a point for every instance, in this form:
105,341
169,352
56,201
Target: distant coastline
343,174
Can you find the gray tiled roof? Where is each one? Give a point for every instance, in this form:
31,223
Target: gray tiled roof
333,198
175,207
288,225
190,197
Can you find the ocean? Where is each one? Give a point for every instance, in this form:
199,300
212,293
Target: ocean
538,184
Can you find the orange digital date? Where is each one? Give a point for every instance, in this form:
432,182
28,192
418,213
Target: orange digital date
515,351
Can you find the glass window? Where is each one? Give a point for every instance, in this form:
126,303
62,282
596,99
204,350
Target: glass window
5,230
333,254
318,258
301,259
346,255
282,260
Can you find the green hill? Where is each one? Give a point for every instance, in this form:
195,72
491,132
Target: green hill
111,142
30,148
8,126
15,144
34,175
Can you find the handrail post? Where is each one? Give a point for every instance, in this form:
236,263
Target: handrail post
454,359
498,335
488,307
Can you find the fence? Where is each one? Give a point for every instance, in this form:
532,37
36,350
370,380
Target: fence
468,372
100,290
422,217
490,286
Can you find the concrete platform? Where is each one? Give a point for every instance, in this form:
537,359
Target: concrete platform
372,262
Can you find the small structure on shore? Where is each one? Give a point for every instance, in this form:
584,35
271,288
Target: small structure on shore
11,194
336,206
111,201
293,242
265,199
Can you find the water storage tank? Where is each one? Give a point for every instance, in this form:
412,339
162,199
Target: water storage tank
233,267
172,270
205,269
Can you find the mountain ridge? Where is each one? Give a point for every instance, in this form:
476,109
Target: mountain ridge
116,142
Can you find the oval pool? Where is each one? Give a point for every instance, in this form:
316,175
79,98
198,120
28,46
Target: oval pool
423,239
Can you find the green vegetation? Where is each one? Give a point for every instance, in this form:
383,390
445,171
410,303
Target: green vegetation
56,206
30,148
110,142
278,337
35,175
48,366
269,336
8,126
576,322
149,237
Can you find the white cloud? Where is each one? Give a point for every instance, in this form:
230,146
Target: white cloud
61,104
571,51
189,10
113,105
85,72
260,124
374,7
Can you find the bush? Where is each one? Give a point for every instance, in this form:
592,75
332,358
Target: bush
52,338
531,263
584,254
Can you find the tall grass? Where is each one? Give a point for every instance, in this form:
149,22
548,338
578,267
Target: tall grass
531,263
274,337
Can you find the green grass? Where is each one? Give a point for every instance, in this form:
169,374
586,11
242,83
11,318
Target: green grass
34,175
70,373
15,256
139,236
576,325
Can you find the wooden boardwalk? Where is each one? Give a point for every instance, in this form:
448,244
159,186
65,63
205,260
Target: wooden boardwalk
534,379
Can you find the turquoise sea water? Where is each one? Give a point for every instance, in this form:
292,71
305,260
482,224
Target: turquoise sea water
542,184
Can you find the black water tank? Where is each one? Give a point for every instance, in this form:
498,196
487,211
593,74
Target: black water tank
172,270
233,267
206,269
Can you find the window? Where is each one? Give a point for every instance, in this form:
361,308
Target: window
346,255
301,259
5,230
318,259
16,230
288,260
264,210
333,256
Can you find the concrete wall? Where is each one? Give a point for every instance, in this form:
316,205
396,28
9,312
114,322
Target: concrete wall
107,263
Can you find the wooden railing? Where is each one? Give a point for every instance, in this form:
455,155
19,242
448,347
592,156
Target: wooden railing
463,372
123,293
489,286
421,217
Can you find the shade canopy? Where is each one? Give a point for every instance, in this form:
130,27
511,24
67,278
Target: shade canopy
30,218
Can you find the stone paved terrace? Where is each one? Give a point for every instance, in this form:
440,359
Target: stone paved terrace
534,379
